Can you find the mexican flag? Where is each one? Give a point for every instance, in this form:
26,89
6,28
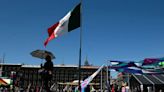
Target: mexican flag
68,23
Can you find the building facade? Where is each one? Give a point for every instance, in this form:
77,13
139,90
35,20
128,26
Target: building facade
28,75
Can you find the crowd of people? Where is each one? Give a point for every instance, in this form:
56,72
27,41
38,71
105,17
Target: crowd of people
116,88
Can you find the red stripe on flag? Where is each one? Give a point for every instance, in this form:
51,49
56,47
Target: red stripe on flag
52,28
48,39
51,33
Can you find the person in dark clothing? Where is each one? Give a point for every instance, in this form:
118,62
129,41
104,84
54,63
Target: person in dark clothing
87,89
116,88
48,68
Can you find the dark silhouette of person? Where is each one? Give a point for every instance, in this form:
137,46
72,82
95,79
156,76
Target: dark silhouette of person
48,68
87,89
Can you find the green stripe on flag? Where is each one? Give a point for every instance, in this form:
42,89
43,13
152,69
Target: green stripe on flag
74,20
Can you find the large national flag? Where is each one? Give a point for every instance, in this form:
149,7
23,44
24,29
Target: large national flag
68,23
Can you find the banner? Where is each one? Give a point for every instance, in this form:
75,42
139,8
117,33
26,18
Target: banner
90,78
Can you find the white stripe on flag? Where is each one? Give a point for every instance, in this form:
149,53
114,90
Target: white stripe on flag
62,28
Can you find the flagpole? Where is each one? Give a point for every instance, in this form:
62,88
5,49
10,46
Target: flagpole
109,64
108,81
101,82
80,45
107,76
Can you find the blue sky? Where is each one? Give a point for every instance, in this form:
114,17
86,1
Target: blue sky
112,30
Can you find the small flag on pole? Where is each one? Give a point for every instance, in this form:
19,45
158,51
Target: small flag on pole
68,23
